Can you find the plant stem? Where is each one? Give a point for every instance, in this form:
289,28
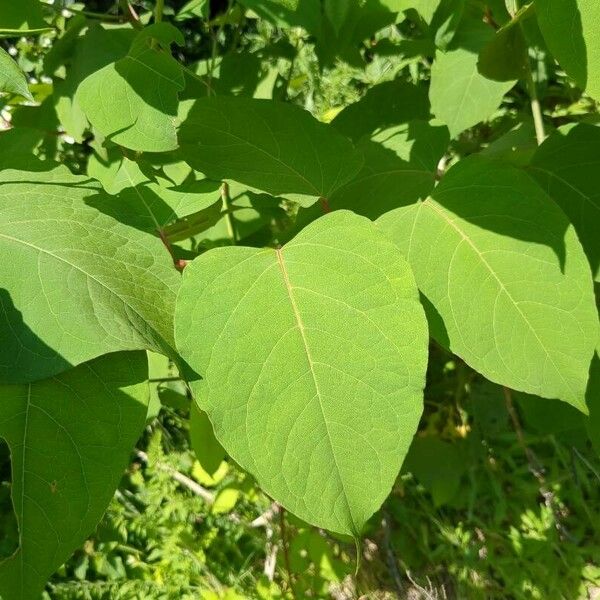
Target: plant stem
285,549
92,15
158,10
536,109
228,213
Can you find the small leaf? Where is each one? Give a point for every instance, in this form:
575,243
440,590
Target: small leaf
70,439
133,101
226,500
509,287
460,96
206,447
570,29
567,166
317,352
275,147
12,79
74,283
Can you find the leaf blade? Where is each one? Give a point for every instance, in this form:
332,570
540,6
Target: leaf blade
496,229
307,379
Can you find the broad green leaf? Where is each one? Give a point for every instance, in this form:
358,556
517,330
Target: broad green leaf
423,461
517,146
507,281
384,105
84,50
460,96
505,57
22,17
12,79
360,20
206,447
150,204
74,283
275,147
336,11
548,418
70,439
567,166
399,168
133,101
571,31
385,182
316,351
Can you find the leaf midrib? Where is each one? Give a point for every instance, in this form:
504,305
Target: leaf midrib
311,363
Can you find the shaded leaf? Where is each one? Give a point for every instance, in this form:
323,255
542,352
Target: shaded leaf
505,57
423,461
21,18
275,147
206,447
570,29
567,166
75,283
12,79
384,105
460,96
70,439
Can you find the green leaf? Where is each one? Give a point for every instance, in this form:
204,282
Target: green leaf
150,204
134,100
423,461
460,96
83,54
206,447
283,13
384,105
21,18
426,8
192,9
567,166
506,57
317,352
275,147
12,79
74,283
342,39
517,146
570,29
593,402
70,439
507,281
399,168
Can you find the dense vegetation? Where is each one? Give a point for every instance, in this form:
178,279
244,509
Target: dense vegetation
299,299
